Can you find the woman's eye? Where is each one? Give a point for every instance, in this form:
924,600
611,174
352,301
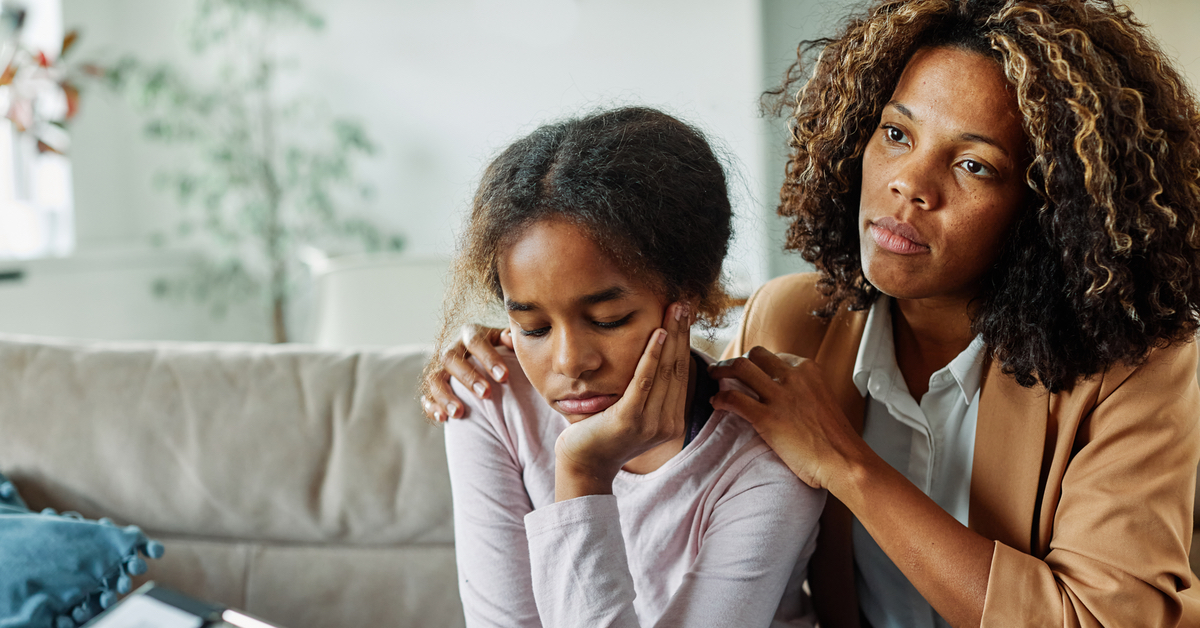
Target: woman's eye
976,168
894,134
535,333
613,324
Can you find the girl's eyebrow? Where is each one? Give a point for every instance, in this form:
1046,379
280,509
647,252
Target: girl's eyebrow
608,294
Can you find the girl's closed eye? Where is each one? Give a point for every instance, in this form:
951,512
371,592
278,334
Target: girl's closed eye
613,324
534,333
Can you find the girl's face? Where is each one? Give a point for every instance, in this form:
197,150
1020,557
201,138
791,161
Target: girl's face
579,325
943,177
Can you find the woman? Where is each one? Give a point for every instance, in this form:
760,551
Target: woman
599,487
1001,201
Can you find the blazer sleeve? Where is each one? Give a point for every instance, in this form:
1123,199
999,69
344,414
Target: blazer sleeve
490,503
1122,529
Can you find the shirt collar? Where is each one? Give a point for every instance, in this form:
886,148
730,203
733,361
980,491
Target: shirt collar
877,352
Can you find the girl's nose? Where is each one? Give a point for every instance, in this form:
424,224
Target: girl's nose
574,354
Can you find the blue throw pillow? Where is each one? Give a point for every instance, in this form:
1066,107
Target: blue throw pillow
61,570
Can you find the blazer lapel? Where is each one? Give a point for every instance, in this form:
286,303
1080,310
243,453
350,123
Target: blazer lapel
1010,443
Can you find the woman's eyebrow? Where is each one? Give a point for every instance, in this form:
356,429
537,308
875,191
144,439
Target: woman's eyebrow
904,111
975,137
964,137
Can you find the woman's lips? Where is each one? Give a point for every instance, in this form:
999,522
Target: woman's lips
586,403
897,237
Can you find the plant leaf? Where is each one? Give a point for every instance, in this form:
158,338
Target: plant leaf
68,40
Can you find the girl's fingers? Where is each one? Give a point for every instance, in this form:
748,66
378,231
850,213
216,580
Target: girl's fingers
680,365
639,388
665,376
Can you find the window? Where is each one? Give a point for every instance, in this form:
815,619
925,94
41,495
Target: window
36,207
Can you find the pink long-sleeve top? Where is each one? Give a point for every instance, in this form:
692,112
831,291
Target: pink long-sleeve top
720,535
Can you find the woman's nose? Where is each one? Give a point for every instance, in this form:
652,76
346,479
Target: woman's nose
574,355
914,181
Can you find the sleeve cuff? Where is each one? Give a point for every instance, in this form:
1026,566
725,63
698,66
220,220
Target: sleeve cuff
586,509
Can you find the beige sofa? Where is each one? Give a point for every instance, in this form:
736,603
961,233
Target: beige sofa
300,484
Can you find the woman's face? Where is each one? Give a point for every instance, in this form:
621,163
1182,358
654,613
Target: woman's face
943,177
578,324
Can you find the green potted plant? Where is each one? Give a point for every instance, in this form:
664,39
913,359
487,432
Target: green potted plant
267,175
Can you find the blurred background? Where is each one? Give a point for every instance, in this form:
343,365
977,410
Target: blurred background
270,170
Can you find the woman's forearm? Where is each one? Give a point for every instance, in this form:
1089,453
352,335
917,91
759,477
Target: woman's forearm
947,562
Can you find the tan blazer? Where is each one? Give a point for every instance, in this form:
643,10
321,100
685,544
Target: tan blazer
1088,492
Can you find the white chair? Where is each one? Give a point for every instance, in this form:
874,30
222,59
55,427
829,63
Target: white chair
377,298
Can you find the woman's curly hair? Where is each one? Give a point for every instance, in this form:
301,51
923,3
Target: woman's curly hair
646,187
1102,266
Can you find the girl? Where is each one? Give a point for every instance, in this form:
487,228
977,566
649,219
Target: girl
599,487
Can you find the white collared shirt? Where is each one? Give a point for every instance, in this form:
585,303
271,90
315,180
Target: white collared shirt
932,443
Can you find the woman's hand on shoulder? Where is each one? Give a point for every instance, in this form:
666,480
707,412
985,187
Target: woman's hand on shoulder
441,403
590,452
795,413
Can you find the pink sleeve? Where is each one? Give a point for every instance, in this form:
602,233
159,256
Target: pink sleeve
490,503
763,526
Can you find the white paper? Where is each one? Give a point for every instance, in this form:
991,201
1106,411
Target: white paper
141,611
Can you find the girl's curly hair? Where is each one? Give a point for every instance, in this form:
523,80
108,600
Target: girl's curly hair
1103,264
646,187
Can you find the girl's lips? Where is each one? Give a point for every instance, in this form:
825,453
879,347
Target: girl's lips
897,237
586,404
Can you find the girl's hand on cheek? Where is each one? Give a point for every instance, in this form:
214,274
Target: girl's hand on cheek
650,412
795,413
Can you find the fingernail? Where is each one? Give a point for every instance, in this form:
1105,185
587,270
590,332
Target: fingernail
498,372
480,389
439,417
687,312
453,408
678,312
662,336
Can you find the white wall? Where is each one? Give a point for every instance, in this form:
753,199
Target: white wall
441,87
